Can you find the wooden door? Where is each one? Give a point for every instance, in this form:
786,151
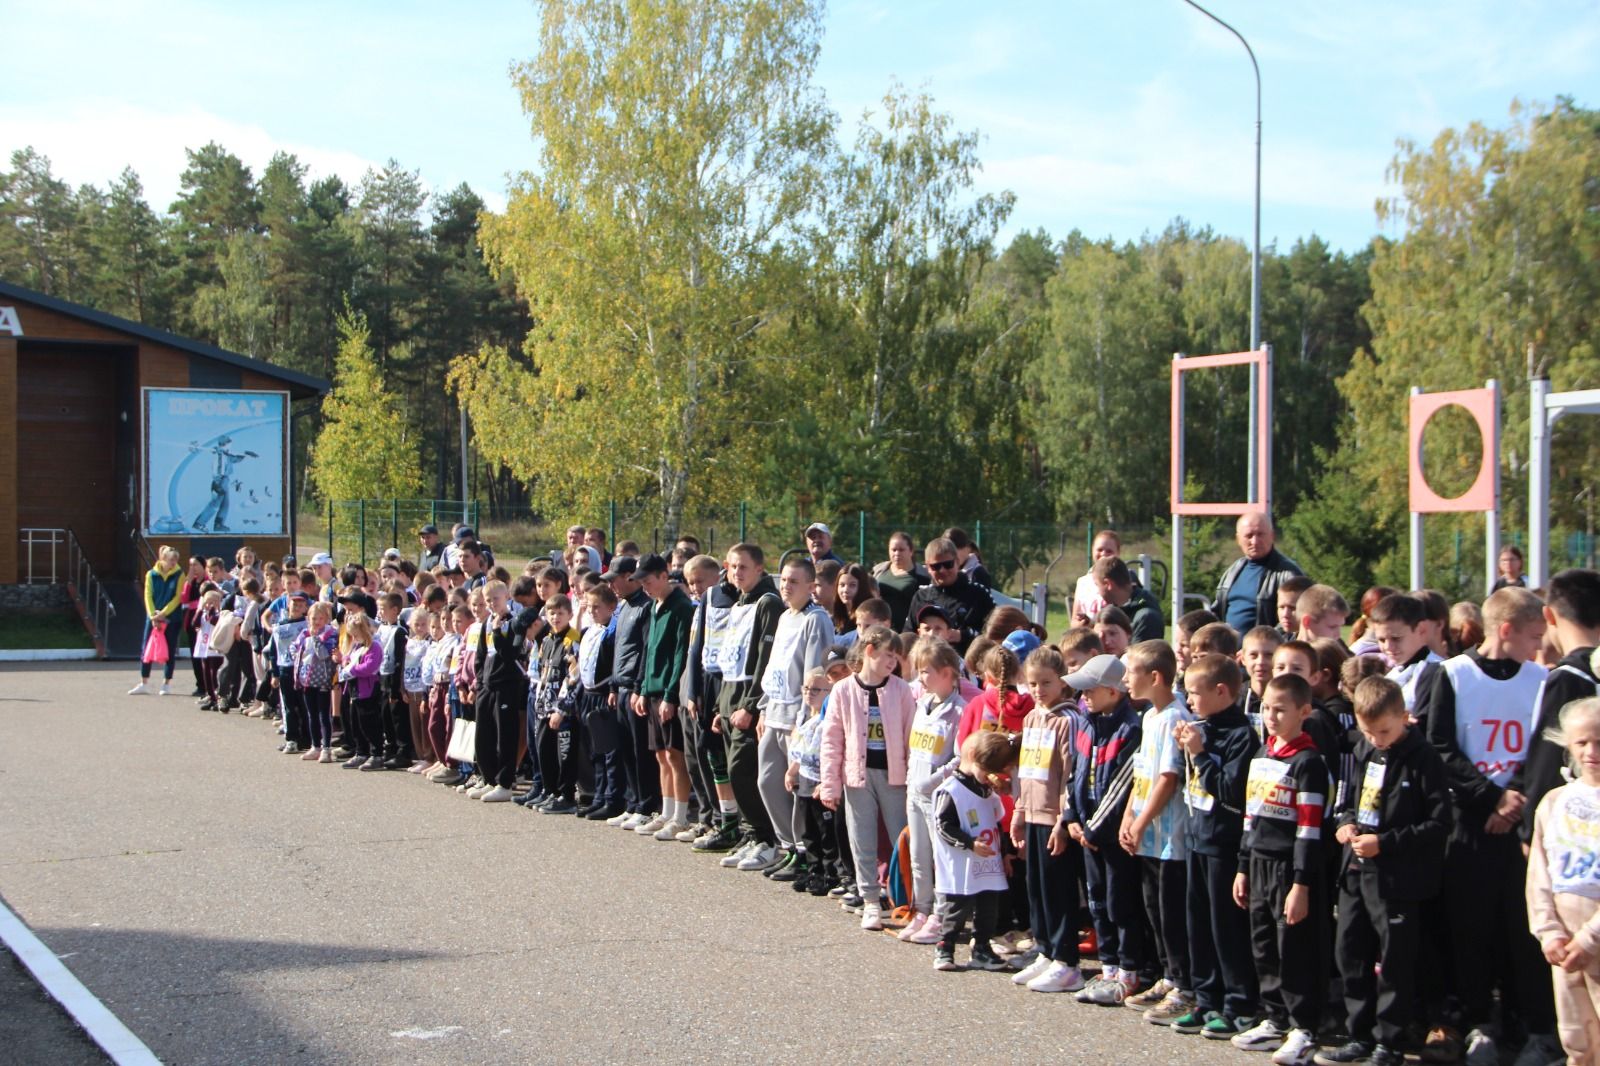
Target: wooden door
67,444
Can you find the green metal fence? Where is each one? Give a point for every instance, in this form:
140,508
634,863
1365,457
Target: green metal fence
360,530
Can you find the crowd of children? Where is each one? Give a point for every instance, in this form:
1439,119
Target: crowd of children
1326,852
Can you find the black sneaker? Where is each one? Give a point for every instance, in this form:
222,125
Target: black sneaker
396,762
796,872
600,814
1354,1051
782,862
852,903
726,838
1388,1056
944,959
818,885
986,960
528,798
559,806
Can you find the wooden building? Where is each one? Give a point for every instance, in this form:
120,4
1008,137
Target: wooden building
73,387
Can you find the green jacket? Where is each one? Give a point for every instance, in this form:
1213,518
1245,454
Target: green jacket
666,645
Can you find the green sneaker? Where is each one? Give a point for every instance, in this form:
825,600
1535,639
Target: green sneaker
1219,1027
1193,1021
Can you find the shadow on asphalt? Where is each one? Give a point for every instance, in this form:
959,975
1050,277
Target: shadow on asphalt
193,999
34,1028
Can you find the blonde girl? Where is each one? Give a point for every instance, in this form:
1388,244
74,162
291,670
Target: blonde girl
418,644
1564,883
206,613
313,678
163,588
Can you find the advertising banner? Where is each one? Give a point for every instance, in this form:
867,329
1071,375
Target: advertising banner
215,462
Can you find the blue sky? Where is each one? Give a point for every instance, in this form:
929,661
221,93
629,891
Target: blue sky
1112,118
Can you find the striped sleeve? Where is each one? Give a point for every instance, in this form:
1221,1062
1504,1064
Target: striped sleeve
1311,793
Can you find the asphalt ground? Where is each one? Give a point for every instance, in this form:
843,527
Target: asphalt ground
234,905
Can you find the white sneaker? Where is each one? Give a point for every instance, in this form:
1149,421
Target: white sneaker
871,916
760,858
652,827
671,832
690,834
480,791
617,820
139,690
738,854
1298,1048
1110,991
1481,1050
1056,977
1265,1035
1032,970
633,821
166,689
497,794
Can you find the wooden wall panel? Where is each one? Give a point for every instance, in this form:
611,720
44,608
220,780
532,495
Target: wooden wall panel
66,445
8,461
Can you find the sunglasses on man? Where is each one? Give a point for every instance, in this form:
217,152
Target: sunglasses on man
942,564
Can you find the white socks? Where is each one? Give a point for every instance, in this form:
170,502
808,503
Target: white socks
729,807
669,809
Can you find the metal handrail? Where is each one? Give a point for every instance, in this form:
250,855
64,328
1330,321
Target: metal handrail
69,566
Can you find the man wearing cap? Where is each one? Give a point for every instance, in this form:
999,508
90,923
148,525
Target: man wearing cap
1118,588
965,604
642,788
666,650
819,544
432,549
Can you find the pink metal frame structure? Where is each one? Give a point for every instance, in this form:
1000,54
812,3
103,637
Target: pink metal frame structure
1484,494
1261,363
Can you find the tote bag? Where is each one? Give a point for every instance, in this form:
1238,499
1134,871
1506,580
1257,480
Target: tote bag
463,741
155,649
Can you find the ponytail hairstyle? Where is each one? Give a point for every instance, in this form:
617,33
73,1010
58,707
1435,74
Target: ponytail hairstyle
1001,665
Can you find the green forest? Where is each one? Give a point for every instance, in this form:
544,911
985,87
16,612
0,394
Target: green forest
708,287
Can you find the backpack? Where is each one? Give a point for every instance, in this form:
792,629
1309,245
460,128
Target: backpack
899,875
223,632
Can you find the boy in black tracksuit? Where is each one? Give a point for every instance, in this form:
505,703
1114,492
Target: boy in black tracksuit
505,693
397,751
555,705
1393,820
1280,877
1474,709
1572,609
1218,748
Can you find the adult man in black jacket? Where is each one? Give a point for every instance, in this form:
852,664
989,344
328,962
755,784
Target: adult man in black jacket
966,604
1118,589
743,654
627,668
1247,595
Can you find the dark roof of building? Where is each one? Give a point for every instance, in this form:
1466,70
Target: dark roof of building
305,384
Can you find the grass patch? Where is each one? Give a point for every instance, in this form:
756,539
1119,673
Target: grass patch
32,630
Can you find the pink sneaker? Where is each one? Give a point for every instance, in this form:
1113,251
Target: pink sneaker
311,755
913,927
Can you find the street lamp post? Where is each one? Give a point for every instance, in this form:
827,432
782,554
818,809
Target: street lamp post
1255,250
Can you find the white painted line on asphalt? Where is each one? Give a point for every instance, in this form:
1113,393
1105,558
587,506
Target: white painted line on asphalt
45,655
103,1027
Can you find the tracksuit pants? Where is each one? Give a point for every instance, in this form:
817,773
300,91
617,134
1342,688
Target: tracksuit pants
1219,939
1289,958
1052,897
772,762
1165,883
1373,931
1116,903
864,808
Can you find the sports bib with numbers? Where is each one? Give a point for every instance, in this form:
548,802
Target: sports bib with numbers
1269,792
1368,804
1572,841
716,629
1033,764
1493,717
1140,795
734,648
1195,794
875,736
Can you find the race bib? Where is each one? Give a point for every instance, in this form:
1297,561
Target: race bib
1033,764
1269,792
1141,783
1572,843
929,737
1195,794
1367,804
875,735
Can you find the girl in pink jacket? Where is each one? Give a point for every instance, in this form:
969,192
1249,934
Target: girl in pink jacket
1564,885
865,739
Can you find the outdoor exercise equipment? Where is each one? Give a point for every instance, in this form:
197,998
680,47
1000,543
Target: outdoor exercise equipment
1484,493
1545,409
1260,362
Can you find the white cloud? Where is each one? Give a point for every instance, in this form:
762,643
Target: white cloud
90,143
